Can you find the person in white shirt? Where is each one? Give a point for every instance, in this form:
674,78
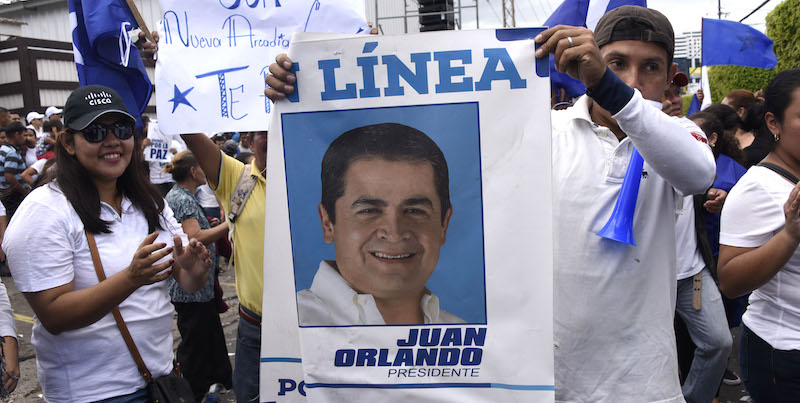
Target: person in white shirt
385,207
30,147
613,303
35,122
759,253
101,190
158,177
37,170
53,113
705,317
8,328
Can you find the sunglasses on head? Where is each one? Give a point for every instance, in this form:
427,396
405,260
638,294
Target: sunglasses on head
97,132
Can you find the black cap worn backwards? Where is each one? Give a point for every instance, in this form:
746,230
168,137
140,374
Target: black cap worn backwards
86,104
634,23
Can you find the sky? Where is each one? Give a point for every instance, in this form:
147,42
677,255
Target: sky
685,15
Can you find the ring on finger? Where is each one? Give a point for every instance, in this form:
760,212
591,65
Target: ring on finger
571,42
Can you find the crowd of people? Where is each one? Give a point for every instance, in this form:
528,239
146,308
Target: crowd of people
96,233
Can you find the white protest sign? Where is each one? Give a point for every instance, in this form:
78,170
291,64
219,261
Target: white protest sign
160,148
214,54
158,151
408,231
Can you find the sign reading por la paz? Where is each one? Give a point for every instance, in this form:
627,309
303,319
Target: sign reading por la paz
214,55
409,245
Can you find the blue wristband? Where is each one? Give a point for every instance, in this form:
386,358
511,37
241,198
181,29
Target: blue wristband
611,93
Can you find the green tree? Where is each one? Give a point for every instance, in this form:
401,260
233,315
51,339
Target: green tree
783,27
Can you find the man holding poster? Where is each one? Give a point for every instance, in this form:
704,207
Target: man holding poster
613,302
386,207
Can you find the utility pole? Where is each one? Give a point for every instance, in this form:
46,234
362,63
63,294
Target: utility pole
719,9
509,15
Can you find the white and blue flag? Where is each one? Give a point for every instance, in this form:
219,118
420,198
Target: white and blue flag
580,13
104,52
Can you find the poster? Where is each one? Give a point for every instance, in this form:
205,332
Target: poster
213,56
408,222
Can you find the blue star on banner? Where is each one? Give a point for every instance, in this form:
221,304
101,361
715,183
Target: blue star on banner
748,42
179,97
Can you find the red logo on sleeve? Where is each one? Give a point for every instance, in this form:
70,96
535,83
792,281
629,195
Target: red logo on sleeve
699,137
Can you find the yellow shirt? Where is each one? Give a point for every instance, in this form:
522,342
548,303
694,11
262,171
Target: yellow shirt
248,234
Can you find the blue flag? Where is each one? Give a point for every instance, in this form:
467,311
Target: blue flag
731,42
694,106
576,13
104,54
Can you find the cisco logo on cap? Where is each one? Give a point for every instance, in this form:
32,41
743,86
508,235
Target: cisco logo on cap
98,98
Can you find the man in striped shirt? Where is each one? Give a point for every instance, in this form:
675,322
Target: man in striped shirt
12,189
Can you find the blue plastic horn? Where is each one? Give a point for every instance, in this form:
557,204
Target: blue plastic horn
620,225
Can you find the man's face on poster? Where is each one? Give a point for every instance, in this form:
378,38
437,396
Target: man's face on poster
388,227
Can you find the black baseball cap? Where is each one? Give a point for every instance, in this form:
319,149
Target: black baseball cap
634,23
86,104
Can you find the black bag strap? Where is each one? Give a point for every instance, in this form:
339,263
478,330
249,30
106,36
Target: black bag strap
780,171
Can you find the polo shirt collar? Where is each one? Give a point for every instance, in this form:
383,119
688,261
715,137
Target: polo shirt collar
580,110
334,290
256,172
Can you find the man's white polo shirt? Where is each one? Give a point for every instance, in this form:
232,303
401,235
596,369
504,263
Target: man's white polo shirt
614,303
332,302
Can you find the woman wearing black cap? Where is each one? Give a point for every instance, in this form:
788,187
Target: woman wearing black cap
101,195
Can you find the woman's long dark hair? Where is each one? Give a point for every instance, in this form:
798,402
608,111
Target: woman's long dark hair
727,143
76,184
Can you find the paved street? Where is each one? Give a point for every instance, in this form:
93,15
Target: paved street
28,389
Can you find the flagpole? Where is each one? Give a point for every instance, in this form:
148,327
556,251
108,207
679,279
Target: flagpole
140,20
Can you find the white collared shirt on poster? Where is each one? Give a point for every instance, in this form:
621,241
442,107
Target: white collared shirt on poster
332,302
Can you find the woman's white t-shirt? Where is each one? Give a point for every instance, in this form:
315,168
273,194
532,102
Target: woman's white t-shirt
47,248
752,215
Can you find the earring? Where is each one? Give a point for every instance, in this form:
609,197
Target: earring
777,137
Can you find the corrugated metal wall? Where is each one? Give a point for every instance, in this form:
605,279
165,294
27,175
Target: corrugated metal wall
9,72
52,21
53,97
11,101
56,70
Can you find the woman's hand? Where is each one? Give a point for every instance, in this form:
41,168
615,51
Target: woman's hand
11,357
193,262
141,270
791,209
716,199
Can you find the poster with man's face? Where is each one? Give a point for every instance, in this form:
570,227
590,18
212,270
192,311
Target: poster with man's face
408,251
384,213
